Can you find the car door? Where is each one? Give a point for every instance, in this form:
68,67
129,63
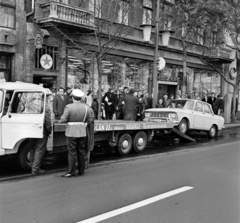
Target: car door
199,117
209,116
24,119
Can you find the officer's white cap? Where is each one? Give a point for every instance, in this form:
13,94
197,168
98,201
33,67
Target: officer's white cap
77,93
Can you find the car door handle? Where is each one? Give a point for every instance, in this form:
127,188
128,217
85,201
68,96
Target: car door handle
37,125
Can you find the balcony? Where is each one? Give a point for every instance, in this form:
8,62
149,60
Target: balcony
65,15
221,55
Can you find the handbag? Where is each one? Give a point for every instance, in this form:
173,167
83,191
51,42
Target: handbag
77,129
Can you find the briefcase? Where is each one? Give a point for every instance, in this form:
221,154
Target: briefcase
76,129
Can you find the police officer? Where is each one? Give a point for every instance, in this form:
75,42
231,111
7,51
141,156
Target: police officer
76,112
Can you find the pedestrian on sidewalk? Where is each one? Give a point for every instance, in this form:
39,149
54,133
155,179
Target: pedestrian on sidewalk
38,147
76,134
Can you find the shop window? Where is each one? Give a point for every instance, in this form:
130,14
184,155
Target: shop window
96,7
50,50
147,11
200,36
123,12
7,13
5,68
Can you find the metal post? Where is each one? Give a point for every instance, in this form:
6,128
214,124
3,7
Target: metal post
66,68
155,74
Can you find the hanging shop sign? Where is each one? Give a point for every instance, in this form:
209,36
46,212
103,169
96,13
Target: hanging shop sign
46,61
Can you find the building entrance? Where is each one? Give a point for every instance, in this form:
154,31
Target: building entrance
45,81
166,88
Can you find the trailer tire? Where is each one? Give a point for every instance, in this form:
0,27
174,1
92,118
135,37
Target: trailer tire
124,144
140,142
23,156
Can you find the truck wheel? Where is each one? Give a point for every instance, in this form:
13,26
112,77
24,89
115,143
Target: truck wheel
24,156
212,132
183,126
124,144
140,142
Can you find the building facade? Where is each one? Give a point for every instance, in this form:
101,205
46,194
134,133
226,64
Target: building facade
60,48
12,39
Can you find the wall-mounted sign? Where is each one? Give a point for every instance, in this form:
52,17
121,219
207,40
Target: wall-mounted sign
7,38
161,63
46,61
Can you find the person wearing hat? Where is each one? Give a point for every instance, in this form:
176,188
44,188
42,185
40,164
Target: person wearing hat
109,101
131,105
76,143
38,146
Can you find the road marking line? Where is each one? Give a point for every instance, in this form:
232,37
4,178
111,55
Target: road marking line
131,207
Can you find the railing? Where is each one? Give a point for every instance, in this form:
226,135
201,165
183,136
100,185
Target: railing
68,13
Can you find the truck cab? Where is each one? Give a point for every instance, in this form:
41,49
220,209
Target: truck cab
22,107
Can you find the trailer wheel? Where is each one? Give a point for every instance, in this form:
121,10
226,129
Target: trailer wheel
140,142
23,156
124,144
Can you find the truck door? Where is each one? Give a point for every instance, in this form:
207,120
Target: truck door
24,119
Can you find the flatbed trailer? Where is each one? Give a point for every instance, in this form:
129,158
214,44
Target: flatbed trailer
125,135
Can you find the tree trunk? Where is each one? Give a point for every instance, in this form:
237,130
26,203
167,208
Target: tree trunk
234,105
184,83
99,66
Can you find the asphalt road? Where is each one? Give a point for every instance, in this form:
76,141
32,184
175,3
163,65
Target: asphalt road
208,178
9,169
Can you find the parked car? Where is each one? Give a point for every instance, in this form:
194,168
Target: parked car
187,114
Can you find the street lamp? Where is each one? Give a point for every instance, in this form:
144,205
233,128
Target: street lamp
147,29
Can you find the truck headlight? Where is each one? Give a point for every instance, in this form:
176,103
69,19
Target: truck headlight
173,116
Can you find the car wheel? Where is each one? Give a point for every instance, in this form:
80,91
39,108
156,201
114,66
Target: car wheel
140,142
212,132
183,126
124,144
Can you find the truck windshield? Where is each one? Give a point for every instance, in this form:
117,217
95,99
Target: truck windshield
1,100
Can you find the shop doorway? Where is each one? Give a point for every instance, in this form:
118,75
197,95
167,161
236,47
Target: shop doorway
46,82
167,88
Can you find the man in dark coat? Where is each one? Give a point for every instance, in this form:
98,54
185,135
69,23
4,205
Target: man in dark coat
38,146
213,101
68,96
149,101
131,104
77,112
109,101
59,103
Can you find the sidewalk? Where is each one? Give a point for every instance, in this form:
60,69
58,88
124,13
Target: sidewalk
232,125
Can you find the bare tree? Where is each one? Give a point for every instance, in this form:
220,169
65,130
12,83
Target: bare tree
110,27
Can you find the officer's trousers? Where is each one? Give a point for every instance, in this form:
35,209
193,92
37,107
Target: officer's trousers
76,152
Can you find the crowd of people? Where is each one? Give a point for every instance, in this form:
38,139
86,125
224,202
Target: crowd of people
126,103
